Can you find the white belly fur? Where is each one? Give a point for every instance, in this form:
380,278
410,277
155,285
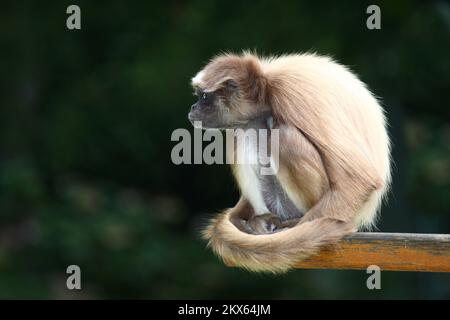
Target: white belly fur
247,177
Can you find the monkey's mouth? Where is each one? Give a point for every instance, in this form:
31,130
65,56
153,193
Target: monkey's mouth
201,122
195,120
191,117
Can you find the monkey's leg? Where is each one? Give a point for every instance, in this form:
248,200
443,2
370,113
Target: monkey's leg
334,186
301,172
351,186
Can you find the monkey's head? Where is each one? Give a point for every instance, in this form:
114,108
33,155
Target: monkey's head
232,90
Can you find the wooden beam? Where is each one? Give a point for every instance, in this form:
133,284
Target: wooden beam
389,251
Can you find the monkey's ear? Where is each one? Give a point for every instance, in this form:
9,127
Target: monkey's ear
231,85
255,80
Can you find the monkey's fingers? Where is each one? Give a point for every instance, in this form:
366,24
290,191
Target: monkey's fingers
263,224
289,223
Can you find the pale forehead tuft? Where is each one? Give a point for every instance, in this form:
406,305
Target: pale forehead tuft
198,79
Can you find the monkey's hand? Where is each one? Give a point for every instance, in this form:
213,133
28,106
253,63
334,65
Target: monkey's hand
287,224
268,223
263,224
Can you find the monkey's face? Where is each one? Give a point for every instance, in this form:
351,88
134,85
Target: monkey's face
217,109
231,92
208,109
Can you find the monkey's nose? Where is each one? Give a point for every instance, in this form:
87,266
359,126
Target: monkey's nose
193,107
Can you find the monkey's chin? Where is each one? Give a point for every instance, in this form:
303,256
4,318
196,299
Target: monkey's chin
197,123
202,124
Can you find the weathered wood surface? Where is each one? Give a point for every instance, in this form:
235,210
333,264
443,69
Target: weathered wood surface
389,251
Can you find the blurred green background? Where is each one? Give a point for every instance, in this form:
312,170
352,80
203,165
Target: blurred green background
86,118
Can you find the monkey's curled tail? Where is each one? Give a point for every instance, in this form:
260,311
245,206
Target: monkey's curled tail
276,252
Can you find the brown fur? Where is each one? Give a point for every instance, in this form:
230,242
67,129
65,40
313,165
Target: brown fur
334,154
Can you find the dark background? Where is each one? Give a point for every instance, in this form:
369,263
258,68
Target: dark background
86,118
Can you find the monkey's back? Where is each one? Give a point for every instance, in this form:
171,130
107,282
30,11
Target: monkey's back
327,97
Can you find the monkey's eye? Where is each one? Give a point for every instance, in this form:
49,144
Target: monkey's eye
204,96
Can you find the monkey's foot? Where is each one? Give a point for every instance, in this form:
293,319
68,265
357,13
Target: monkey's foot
263,224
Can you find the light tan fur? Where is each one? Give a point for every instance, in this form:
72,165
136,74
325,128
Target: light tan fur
334,154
